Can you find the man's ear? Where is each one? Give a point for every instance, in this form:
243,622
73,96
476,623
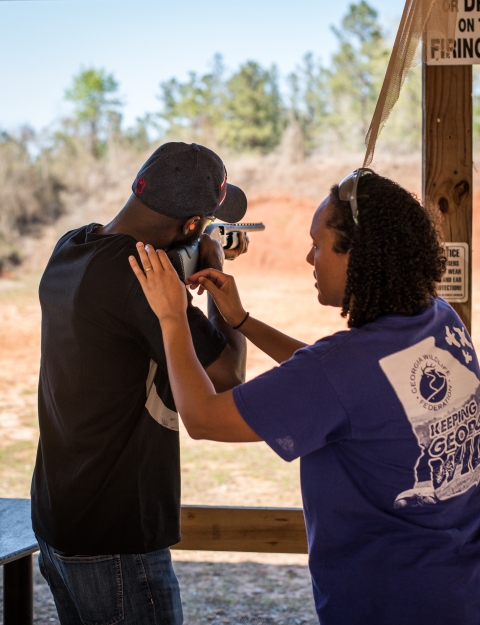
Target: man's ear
190,225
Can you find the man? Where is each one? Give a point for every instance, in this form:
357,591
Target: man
106,487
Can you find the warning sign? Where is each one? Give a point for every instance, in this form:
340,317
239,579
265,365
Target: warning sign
464,48
454,284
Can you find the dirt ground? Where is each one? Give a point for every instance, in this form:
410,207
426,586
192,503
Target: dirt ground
222,593
277,286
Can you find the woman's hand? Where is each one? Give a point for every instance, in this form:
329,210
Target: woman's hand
163,289
224,292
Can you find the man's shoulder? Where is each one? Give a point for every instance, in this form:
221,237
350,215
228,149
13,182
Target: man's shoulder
67,237
89,264
86,237
83,248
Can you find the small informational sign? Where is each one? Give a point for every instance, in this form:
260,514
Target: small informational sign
454,285
464,48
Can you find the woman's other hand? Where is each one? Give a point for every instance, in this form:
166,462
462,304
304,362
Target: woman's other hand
224,291
163,289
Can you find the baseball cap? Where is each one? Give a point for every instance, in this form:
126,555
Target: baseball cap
181,180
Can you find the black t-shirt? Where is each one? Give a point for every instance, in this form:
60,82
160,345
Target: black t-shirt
107,476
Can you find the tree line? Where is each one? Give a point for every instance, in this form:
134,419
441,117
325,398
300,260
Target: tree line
247,110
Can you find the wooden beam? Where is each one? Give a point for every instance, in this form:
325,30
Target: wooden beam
267,530
447,156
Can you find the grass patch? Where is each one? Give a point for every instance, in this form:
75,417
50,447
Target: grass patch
237,474
17,462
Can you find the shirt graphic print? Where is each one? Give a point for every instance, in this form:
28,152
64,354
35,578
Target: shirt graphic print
155,404
440,396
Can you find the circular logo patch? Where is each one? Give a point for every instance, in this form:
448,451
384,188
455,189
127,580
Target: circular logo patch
433,385
430,382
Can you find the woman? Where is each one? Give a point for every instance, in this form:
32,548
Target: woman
384,416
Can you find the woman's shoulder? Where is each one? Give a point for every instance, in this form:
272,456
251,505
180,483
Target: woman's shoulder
332,344
394,331
372,340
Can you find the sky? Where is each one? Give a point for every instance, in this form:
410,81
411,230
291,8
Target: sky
44,43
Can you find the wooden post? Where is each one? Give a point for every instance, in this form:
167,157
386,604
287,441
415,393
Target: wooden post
447,156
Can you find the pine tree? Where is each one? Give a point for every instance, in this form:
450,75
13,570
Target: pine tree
95,105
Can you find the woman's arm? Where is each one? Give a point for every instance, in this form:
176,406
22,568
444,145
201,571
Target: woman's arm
274,343
205,413
224,292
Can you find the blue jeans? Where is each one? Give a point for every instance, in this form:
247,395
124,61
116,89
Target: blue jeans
103,590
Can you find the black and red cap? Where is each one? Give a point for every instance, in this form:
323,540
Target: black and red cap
182,180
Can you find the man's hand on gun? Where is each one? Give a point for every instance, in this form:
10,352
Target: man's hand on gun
242,247
212,252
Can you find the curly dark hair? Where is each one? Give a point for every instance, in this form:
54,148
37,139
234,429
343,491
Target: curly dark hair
396,253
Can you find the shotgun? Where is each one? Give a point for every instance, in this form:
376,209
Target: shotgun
186,258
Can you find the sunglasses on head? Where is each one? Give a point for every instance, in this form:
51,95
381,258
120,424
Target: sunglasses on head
347,189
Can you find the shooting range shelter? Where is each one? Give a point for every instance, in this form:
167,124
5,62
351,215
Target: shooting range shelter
447,182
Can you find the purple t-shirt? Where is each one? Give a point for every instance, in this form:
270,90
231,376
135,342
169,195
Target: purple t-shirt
385,420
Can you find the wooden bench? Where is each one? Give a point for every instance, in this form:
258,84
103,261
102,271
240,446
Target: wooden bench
204,528
17,544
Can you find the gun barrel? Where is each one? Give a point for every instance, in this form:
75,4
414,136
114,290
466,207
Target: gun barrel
225,228
250,227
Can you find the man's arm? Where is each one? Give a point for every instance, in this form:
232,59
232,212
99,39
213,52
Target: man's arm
228,370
